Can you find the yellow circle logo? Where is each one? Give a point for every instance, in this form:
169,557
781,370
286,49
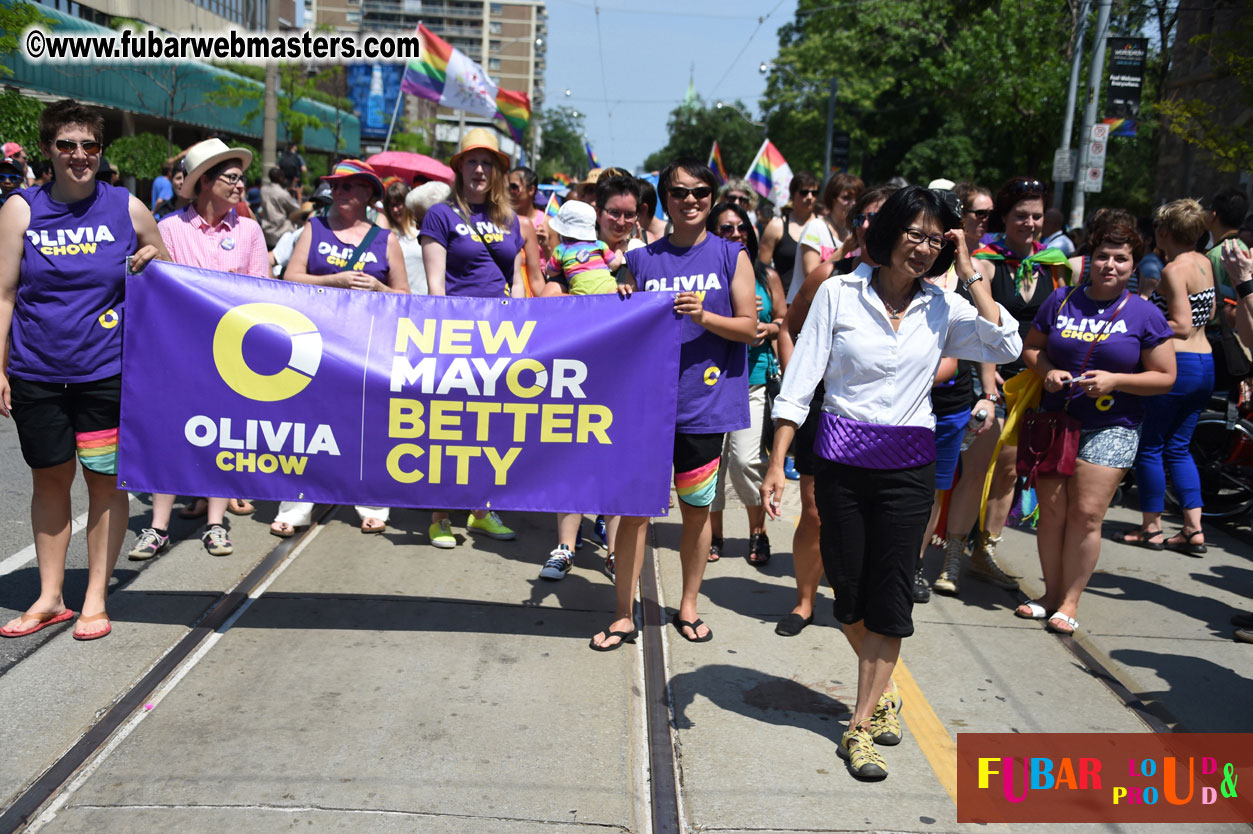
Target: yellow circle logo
228,352
711,375
109,319
1105,403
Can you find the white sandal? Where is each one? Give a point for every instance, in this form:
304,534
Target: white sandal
1038,611
1062,618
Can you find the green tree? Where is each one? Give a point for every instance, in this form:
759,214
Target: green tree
294,86
19,120
562,147
140,155
15,17
694,127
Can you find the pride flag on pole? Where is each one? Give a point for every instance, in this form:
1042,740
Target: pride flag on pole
715,163
770,175
591,155
554,205
446,75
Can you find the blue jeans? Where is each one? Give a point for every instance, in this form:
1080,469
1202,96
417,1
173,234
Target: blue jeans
1169,420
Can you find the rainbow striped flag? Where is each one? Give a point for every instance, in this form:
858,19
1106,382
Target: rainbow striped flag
446,75
715,163
562,179
554,205
591,155
770,175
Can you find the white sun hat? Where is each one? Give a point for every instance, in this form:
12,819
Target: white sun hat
576,220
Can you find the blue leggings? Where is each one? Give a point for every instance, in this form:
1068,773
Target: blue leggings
1169,420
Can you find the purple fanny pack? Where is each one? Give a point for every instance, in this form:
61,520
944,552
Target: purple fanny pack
873,446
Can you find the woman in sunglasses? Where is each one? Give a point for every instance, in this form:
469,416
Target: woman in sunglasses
1022,275
533,224
806,555
875,338
782,236
719,320
821,238
742,458
62,303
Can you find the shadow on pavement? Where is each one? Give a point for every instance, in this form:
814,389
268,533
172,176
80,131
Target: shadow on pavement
764,697
1185,674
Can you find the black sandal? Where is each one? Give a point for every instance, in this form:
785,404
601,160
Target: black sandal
680,624
1145,540
623,637
1186,546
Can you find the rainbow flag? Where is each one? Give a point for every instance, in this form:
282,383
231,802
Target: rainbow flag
554,205
446,75
715,162
562,179
591,155
770,175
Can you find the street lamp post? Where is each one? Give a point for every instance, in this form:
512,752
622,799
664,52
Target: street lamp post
764,127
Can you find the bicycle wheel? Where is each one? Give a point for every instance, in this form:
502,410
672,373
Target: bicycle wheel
1226,484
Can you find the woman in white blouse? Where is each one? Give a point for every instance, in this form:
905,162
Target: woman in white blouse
875,337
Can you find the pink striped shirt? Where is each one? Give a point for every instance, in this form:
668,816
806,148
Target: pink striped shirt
234,244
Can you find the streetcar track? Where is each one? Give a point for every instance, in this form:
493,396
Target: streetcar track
220,613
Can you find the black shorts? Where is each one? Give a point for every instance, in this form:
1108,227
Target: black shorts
803,454
57,420
696,460
873,521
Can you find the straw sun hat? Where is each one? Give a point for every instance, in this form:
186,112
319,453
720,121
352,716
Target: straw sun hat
204,155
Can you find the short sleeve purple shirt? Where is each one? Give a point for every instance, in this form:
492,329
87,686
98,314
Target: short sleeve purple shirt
1071,326
480,256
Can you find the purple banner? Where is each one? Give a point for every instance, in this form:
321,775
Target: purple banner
238,386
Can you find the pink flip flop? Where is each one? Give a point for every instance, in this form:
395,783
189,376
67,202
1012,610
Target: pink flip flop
45,620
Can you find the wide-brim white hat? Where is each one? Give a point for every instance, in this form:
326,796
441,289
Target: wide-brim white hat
204,155
576,220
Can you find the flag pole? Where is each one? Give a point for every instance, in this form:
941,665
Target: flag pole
400,93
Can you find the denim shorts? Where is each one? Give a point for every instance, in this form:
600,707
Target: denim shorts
1113,446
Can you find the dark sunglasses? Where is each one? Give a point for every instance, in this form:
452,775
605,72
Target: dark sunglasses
728,228
1026,186
737,198
90,147
812,192
981,214
700,192
864,218
514,187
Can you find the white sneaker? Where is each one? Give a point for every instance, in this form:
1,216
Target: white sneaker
558,564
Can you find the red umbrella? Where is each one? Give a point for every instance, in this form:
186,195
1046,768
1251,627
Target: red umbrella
408,166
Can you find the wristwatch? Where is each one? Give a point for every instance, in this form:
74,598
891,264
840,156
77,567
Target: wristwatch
994,398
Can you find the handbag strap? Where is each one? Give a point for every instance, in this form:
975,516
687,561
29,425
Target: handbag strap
1126,296
363,245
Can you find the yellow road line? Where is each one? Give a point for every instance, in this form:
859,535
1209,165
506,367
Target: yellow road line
927,729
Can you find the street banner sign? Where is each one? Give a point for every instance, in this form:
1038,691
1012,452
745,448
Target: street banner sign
1126,78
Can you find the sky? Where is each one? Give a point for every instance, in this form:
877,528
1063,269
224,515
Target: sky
628,91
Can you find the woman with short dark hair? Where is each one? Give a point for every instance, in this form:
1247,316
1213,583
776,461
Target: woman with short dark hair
62,312
781,238
821,238
1103,383
874,337
719,318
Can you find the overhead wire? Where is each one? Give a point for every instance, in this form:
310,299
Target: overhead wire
760,22
604,83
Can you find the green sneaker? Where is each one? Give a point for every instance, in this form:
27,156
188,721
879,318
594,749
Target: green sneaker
885,724
857,748
490,525
441,534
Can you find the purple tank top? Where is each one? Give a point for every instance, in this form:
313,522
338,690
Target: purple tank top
713,372
67,316
328,254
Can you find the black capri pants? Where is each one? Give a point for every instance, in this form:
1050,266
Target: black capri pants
873,521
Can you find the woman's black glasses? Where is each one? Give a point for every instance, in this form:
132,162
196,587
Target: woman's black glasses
728,228
700,192
981,214
864,218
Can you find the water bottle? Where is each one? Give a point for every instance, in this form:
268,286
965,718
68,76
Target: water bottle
972,428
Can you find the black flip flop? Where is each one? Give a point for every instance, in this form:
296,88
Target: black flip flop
623,637
680,624
793,624
1145,540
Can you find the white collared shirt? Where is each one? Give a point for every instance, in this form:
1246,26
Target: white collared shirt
877,375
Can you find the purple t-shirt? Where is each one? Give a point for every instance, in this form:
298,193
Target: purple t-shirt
329,255
480,260
713,371
1069,326
67,316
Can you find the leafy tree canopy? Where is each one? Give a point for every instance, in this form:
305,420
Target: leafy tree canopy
562,149
141,154
694,127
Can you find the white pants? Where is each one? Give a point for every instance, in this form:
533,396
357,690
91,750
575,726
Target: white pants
299,513
742,460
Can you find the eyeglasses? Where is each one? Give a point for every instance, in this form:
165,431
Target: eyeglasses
812,192
514,187
864,218
917,236
232,179
700,192
10,178
342,185
737,198
621,216
90,147
980,214
727,228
